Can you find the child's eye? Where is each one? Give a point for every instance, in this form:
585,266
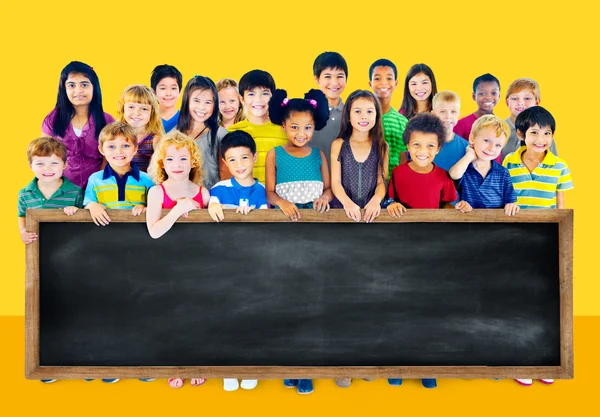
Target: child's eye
111,146
208,102
494,93
486,140
126,145
84,85
498,145
231,160
183,158
169,159
527,98
251,94
145,109
308,128
244,157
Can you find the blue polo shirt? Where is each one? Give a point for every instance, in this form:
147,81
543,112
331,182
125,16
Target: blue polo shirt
114,192
494,191
231,194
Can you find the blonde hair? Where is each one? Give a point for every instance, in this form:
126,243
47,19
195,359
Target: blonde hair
46,146
494,122
521,84
445,97
113,130
141,94
156,170
224,83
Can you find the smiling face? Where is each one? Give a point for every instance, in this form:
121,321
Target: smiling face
177,163
118,152
383,82
299,128
423,148
363,114
137,115
520,101
47,168
486,95
448,113
537,138
487,144
229,104
419,87
167,92
240,162
332,82
257,101
79,89
202,105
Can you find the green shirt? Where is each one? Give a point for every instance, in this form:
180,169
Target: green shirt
393,128
67,195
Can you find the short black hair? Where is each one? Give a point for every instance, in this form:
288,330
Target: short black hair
485,78
256,78
329,60
237,139
383,63
165,71
425,123
536,115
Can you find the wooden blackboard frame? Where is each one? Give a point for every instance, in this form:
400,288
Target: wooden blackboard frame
564,219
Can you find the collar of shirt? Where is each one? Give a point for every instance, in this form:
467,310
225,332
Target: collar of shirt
238,186
339,107
65,186
109,172
549,159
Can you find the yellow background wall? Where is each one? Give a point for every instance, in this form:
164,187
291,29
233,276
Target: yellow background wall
124,41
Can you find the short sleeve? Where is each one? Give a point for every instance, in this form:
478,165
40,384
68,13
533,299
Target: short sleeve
448,190
90,194
510,196
48,124
79,199
564,181
391,192
108,118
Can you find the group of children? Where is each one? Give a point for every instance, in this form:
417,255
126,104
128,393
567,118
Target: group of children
248,146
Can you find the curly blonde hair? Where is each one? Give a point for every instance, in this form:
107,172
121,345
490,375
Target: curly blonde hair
156,170
141,94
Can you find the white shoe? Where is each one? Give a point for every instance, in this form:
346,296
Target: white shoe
547,381
230,384
249,383
525,382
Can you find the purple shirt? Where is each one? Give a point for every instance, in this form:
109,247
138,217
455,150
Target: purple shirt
83,156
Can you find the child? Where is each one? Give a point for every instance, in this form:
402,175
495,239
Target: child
486,92
539,176
484,183
383,80
139,109
243,193
331,73
522,94
297,174
166,84
446,106
77,120
120,185
360,154
231,110
420,184
177,171
256,89
199,120
419,88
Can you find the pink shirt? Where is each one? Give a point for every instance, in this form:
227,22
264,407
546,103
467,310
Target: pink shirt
169,204
464,125
83,156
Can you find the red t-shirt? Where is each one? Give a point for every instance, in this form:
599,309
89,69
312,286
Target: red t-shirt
421,191
464,125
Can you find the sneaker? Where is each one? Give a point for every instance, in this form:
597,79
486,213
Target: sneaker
429,383
525,382
88,379
290,383
305,386
110,380
547,381
146,379
48,381
230,384
343,382
249,383
395,382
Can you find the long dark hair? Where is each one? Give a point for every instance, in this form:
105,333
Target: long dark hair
409,104
375,134
185,119
280,112
64,108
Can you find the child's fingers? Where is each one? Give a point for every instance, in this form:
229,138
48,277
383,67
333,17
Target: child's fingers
213,216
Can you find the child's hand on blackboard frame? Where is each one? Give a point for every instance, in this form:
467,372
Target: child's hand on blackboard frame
511,209
243,209
396,210
352,211
70,210
99,214
321,205
463,206
372,210
289,209
28,237
216,212
137,210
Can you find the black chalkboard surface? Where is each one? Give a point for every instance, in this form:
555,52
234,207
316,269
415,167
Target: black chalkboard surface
398,294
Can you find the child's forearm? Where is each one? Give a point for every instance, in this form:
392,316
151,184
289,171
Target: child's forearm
380,192
340,194
273,198
162,226
458,169
560,200
327,194
22,224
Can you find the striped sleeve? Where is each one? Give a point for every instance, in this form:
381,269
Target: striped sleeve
22,206
90,193
564,180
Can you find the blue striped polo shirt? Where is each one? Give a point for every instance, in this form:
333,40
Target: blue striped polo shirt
494,191
114,192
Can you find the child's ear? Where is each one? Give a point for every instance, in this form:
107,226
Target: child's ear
66,166
255,156
100,150
471,139
370,85
473,95
396,83
520,135
537,102
317,80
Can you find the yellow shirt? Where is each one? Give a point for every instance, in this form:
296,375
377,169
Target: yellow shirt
267,137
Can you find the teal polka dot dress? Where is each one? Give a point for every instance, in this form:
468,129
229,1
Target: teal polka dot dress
298,180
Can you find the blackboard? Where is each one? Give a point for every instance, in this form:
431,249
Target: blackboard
332,296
